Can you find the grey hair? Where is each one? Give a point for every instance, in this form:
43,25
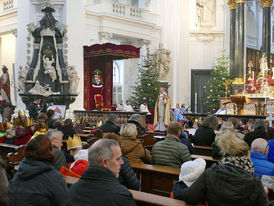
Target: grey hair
259,123
54,133
128,130
100,150
113,117
227,126
259,145
136,117
210,121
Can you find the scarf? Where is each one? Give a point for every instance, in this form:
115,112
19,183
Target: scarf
238,161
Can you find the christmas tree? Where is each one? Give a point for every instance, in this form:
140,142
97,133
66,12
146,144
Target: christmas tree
147,85
215,87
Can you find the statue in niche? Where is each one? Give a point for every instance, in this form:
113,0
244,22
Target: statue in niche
49,68
162,60
73,79
21,79
206,12
263,66
5,84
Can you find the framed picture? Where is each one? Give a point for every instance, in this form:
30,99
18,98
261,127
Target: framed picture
59,111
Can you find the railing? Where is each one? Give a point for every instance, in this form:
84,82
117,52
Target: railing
126,11
8,4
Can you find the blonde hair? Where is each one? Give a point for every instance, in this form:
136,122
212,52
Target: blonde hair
230,145
128,130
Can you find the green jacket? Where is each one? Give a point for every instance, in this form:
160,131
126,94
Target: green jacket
60,159
170,152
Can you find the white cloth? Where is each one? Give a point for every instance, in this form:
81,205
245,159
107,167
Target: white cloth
81,155
128,108
143,108
119,107
191,171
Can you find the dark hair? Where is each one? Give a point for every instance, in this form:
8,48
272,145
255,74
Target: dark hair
38,149
42,116
50,113
68,122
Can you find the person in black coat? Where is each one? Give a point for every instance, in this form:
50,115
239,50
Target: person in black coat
36,182
109,126
99,184
137,119
34,109
205,135
184,139
259,132
232,182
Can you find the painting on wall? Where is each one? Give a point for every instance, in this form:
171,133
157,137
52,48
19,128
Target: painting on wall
206,13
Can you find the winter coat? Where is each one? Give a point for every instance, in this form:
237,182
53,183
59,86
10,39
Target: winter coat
170,152
37,183
261,164
257,133
178,190
270,154
204,136
60,159
110,127
133,149
226,185
127,176
99,186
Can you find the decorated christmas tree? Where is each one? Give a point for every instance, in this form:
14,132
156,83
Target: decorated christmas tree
215,87
147,85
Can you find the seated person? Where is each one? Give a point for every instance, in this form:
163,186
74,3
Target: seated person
50,120
56,138
259,132
36,182
190,172
231,182
270,155
131,147
128,107
205,135
110,125
137,120
99,184
67,129
237,132
170,152
74,145
184,139
258,156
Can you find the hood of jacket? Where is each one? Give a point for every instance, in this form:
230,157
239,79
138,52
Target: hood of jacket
29,168
128,144
232,184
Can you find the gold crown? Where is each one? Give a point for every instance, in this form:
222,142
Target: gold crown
81,120
74,142
21,112
99,123
29,122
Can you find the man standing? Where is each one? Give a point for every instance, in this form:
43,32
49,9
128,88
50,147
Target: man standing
34,108
99,184
162,111
56,137
170,152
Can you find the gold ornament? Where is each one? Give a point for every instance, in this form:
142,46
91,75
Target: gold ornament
266,3
231,4
240,1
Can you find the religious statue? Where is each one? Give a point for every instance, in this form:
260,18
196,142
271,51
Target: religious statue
250,67
5,84
162,111
263,66
38,89
73,79
162,60
21,79
205,12
49,68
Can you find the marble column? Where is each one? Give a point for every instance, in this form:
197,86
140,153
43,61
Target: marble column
266,35
239,41
232,6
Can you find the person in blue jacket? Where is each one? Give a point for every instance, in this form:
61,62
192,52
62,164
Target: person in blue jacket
258,156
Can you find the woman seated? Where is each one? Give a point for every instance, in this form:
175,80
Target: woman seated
131,147
232,182
205,135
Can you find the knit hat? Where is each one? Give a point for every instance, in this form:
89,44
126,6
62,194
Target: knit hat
191,171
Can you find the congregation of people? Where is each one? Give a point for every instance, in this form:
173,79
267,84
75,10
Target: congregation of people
54,149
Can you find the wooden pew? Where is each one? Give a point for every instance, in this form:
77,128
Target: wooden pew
209,160
7,148
156,179
203,150
141,198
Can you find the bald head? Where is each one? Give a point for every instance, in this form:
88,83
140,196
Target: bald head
259,145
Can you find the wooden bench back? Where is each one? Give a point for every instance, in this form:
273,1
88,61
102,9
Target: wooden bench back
156,179
14,158
203,150
7,148
209,160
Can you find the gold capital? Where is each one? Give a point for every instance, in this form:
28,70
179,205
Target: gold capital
240,1
266,3
231,4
